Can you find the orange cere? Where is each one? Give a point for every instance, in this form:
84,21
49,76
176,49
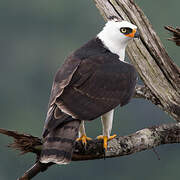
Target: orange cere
131,34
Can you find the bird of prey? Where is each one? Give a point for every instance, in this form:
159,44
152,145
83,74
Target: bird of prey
93,80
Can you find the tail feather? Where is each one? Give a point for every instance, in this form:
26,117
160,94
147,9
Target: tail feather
58,144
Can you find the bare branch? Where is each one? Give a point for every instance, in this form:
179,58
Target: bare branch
144,139
158,72
162,87
176,34
23,142
145,93
34,170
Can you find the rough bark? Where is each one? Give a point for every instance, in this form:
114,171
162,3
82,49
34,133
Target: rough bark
141,140
145,93
158,72
176,34
162,87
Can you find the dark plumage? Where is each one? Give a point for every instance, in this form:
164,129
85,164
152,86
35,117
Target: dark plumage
91,82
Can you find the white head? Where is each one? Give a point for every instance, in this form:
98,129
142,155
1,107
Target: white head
116,35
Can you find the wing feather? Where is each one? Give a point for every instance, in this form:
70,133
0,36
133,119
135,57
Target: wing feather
91,82
63,78
98,85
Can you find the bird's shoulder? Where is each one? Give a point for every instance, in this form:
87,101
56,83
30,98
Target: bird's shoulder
84,62
90,54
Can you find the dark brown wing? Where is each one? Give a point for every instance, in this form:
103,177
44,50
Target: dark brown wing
90,83
98,85
63,78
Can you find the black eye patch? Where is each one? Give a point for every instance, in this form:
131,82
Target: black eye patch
126,30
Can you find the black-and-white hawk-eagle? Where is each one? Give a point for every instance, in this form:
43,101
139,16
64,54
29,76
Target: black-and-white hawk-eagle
93,80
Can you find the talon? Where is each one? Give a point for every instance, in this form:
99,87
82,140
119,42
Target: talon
106,139
84,139
112,137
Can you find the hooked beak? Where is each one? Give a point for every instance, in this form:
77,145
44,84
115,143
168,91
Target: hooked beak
137,35
134,34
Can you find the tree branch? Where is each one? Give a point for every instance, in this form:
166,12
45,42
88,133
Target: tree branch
145,93
141,140
158,72
176,34
34,170
162,87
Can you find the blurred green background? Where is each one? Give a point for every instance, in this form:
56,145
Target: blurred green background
35,37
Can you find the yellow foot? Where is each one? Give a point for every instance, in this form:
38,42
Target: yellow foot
106,139
84,139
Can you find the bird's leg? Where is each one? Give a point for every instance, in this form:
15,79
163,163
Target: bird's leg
82,134
107,120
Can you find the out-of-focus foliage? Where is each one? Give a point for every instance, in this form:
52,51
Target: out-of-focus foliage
35,37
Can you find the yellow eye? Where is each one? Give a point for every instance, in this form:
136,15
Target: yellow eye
123,30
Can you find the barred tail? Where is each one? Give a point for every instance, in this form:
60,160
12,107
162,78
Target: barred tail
58,144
